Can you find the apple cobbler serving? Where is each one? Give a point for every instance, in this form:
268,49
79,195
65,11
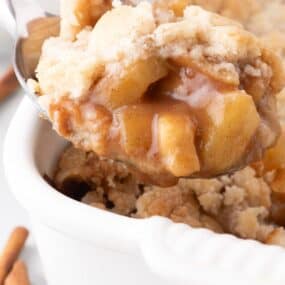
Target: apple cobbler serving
172,90
187,93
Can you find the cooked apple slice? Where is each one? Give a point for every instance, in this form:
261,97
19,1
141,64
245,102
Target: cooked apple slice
176,146
114,39
278,183
274,158
176,6
129,84
135,128
231,124
77,14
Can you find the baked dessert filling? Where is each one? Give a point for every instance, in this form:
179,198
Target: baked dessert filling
190,96
249,203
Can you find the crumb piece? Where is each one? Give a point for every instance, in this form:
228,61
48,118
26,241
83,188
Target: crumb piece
250,223
234,195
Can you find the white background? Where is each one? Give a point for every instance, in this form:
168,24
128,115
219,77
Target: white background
11,214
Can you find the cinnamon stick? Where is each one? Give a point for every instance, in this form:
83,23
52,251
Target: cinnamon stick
18,275
11,251
8,83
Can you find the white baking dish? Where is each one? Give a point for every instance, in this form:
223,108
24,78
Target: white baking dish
81,245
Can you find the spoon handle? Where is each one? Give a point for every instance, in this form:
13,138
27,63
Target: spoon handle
23,11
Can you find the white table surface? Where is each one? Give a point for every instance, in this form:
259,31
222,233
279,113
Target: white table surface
11,214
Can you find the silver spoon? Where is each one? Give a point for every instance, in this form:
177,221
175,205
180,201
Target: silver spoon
32,26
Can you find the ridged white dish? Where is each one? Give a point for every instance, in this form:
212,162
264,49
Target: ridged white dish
81,245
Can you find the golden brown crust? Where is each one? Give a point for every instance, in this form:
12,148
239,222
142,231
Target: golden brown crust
219,47
106,184
237,10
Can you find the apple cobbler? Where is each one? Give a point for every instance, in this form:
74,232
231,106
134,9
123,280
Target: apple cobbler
170,89
249,203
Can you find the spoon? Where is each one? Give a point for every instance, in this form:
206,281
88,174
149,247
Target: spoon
32,26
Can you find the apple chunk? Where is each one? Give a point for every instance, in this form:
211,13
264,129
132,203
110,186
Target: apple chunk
176,146
135,128
176,6
232,121
274,158
129,84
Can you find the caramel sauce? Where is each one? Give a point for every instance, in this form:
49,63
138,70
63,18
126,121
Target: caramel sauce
183,91
61,112
132,130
